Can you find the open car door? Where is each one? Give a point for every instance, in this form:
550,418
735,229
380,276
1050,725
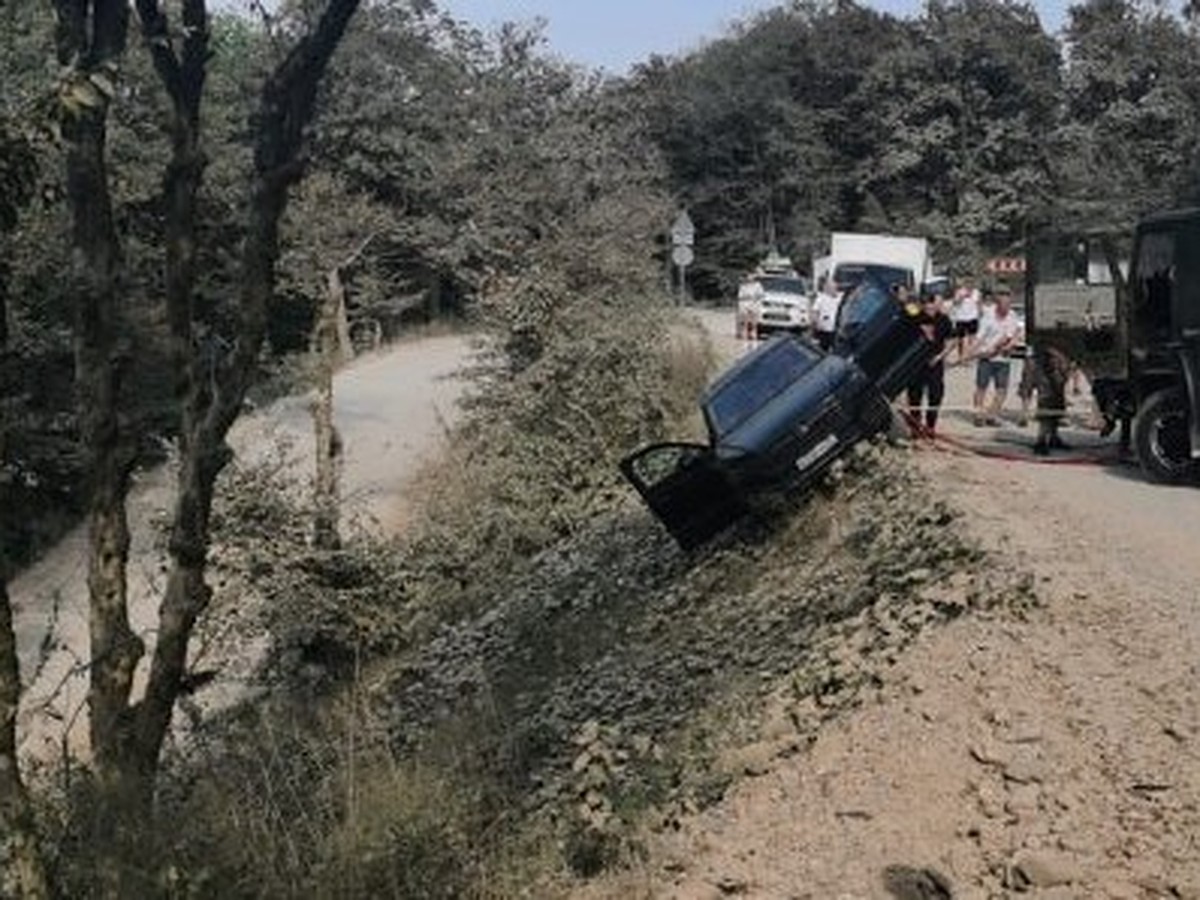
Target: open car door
686,489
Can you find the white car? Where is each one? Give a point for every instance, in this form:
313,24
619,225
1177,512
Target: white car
785,304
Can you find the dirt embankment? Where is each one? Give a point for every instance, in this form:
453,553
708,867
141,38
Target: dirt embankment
1045,745
1054,753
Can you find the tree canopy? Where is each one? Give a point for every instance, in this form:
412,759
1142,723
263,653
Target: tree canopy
162,257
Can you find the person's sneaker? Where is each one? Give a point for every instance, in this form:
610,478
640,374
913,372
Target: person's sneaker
1022,421
992,421
1041,448
978,421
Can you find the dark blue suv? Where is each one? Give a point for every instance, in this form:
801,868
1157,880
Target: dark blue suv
781,414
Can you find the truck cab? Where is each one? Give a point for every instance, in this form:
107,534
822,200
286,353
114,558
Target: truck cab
1133,323
1163,345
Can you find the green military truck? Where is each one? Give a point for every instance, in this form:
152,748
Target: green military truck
1130,316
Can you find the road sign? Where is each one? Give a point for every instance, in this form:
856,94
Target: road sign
682,255
683,232
1005,265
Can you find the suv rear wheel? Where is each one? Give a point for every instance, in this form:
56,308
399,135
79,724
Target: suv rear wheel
1160,435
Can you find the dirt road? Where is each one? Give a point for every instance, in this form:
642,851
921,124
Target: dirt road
1057,754
390,408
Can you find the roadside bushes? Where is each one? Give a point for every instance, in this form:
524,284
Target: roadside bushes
294,797
567,385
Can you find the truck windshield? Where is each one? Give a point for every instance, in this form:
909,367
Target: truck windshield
762,376
850,275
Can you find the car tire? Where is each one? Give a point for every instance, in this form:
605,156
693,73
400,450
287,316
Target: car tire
1160,437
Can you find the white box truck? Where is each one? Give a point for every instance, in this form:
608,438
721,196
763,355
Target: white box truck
890,258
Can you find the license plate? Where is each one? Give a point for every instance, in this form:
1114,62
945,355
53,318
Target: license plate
818,450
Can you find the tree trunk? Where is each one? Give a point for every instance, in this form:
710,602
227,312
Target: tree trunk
183,76
90,41
326,351
21,871
216,390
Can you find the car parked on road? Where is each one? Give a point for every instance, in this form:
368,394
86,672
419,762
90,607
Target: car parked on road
781,415
785,304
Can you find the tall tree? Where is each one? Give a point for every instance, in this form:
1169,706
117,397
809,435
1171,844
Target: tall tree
211,385
90,38
21,865
962,111
1129,141
765,131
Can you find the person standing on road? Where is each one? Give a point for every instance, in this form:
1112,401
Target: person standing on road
825,313
930,383
749,306
1048,372
965,316
998,333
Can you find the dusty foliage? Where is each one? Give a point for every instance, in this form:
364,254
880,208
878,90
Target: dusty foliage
323,611
581,696
599,685
565,387
538,673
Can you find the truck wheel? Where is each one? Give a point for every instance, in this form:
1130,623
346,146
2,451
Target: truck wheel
1160,436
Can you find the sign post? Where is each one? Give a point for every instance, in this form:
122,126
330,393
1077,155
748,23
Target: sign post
683,236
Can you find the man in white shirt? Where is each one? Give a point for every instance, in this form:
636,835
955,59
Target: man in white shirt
825,312
998,333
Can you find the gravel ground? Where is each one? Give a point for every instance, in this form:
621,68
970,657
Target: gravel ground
1055,752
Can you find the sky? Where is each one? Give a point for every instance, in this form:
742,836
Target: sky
613,34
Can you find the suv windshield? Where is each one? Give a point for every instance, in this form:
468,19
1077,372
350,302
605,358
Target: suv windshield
763,377
783,285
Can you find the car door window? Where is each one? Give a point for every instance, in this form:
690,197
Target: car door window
662,462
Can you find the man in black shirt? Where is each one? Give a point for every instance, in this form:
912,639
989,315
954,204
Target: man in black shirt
930,383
